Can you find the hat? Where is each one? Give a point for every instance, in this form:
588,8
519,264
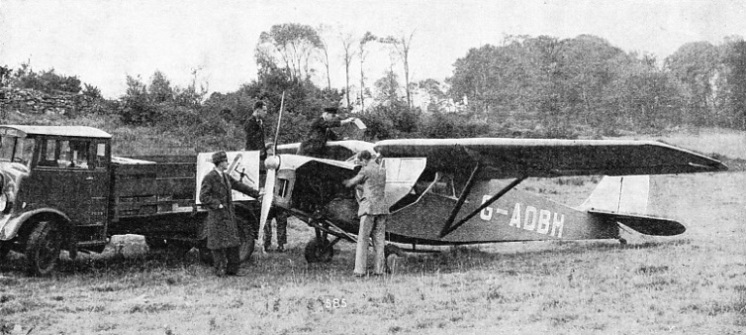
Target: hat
219,157
331,110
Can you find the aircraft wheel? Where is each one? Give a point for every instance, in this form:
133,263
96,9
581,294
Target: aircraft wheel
391,249
43,248
622,241
246,249
318,250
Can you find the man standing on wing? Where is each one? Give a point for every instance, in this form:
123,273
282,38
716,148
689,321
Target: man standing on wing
373,213
315,143
223,233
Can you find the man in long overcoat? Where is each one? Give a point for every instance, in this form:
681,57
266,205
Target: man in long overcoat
373,213
224,235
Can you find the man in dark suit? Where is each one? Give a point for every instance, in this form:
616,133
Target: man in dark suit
315,141
254,129
373,212
223,233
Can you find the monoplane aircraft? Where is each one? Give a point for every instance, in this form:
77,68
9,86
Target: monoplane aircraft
463,191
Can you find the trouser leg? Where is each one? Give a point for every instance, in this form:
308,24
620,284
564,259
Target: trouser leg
219,260
379,240
233,256
281,217
361,253
268,232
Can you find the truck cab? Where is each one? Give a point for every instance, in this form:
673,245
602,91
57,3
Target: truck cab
54,192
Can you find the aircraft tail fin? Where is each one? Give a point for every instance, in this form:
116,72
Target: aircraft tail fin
626,200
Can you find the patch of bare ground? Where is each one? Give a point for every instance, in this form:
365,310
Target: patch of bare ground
694,283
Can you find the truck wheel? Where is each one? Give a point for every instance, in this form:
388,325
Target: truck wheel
246,249
318,250
43,248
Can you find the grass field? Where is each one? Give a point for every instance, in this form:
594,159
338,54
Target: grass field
693,283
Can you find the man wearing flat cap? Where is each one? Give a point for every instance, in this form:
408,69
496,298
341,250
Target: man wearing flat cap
315,141
224,235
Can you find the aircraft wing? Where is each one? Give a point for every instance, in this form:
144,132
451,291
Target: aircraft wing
515,158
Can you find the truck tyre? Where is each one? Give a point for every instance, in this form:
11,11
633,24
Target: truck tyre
43,248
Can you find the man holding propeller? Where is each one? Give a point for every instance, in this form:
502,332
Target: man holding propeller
254,129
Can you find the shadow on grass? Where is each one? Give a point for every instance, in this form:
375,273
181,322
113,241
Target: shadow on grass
463,258
458,259
111,263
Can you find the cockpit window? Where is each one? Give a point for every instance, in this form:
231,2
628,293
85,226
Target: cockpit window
444,186
15,149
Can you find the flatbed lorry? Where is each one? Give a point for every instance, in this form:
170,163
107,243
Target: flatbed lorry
62,189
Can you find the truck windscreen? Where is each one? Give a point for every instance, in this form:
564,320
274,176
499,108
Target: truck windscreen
14,149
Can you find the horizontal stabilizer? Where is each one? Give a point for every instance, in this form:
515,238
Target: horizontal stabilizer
647,225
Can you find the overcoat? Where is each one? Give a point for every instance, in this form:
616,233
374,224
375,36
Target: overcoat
221,228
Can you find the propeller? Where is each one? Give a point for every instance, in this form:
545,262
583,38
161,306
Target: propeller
271,163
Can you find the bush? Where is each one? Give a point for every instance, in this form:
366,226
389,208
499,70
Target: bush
439,125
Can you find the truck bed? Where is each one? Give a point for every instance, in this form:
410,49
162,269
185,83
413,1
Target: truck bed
147,185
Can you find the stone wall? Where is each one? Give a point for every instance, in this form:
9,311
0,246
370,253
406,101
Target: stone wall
35,102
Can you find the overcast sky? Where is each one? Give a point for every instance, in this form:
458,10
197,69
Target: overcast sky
103,41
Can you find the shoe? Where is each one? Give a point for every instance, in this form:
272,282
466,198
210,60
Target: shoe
267,248
281,248
220,273
359,275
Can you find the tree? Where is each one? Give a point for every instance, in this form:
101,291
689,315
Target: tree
294,45
46,81
696,65
92,92
363,53
402,45
387,87
347,43
137,107
325,53
160,88
5,75
735,60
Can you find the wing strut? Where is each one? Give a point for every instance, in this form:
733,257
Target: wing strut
447,230
461,199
